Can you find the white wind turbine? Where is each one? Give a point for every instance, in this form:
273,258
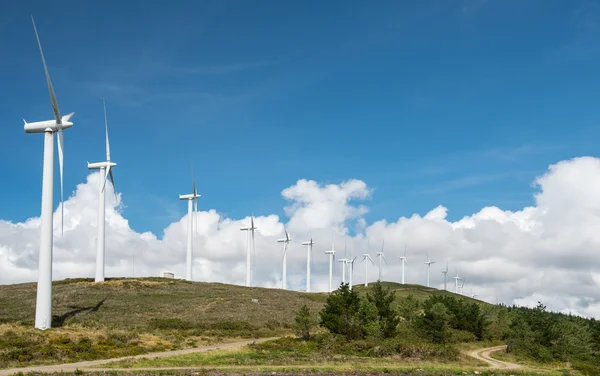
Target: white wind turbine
43,305
404,261
285,242
367,257
250,246
456,279
462,287
105,172
428,263
309,245
344,262
192,209
331,254
445,273
351,262
473,295
380,255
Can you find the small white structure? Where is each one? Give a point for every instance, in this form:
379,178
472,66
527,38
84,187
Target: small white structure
168,275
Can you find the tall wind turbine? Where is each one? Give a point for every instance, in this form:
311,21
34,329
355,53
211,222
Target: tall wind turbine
351,262
404,262
381,256
367,257
308,253
445,273
428,263
344,262
250,247
462,287
192,209
331,254
456,279
43,305
285,242
105,172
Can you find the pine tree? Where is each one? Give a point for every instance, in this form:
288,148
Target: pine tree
383,298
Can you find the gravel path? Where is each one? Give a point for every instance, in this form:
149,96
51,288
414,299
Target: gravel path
484,355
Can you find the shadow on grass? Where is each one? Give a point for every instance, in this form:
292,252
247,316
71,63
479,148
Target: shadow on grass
59,321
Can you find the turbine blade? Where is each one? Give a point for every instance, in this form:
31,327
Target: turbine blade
384,259
106,128
105,178
48,81
60,168
112,180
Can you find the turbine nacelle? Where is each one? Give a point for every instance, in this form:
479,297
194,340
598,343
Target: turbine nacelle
191,196
99,165
48,125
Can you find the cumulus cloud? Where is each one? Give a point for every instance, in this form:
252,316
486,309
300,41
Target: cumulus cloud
546,252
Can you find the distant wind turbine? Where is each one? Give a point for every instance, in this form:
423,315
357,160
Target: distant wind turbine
445,273
428,263
43,304
192,209
344,262
351,262
367,257
285,242
249,249
456,279
105,172
331,254
473,295
462,287
404,261
381,256
309,245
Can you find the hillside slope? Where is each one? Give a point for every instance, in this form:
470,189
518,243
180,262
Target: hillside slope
149,303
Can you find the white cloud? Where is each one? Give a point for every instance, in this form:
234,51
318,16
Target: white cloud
545,252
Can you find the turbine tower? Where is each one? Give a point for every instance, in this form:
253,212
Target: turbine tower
43,305
344,262
308,253
404,262
105,172
249,247
351,262
473,295
462,287
331,254
381,256
192,209
285,242
428,263
445,273
367,257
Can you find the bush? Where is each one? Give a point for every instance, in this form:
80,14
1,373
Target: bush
341,314
386,316
170,324
304,321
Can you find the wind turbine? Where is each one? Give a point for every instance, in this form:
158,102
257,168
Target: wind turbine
351,262
367,257
462,287
285,242
192,209
105,172
381,256
428,263
445,273
344,262
404,261
43,305
331,254
250,246
308,253
456,279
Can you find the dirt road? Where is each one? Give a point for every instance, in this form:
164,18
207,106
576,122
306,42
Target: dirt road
484,355
70,367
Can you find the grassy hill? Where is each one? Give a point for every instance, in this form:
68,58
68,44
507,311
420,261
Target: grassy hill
131,316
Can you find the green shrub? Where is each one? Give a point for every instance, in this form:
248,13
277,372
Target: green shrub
587,368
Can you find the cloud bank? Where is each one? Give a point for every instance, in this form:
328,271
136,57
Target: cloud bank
546,252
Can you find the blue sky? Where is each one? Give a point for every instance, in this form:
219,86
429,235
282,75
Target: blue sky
459,103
